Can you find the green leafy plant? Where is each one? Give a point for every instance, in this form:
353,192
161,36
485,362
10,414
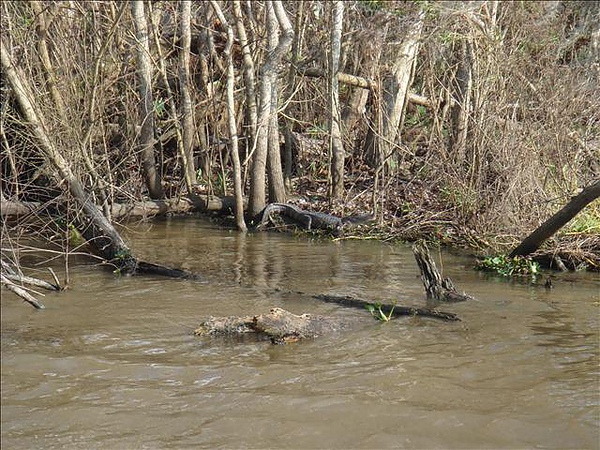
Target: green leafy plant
120,257
377,312
75,237
159,107
508,267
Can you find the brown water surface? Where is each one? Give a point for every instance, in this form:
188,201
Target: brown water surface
112,362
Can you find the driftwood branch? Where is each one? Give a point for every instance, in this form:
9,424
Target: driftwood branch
364,83
281,326
32,281
21,292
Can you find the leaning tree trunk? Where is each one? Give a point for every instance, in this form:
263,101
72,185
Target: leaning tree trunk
336,145
146,138
95,227
557,221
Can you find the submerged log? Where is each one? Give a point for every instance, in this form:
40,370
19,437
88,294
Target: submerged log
281,326
436,288
389,310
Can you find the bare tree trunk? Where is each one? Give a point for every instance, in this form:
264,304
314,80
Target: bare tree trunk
256,200
45,58
146,138
557,221
233,138
335,138
248,74
396,88
268,71
461,109
288,158
187,116
274,169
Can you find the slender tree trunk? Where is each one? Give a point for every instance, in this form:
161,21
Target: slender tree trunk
45,58
187,115
335,138
557,221
233,137
276,184
146,138
248,74
288,158
256,200
462,106
274,169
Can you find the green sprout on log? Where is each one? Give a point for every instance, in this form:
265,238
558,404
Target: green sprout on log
377,312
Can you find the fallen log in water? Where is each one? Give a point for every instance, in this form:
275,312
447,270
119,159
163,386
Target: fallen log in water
390,310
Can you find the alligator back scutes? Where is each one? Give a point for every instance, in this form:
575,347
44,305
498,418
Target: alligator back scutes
307,219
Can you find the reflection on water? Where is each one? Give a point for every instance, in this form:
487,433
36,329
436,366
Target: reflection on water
112,363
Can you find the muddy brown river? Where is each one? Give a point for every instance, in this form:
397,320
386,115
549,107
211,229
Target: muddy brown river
112,363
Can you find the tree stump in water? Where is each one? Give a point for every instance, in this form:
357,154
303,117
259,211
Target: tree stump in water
436,288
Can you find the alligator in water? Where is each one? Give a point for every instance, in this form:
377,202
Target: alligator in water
311,220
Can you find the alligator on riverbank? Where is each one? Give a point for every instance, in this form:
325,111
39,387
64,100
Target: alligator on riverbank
310,220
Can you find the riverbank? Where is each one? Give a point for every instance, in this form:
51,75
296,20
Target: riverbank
415,210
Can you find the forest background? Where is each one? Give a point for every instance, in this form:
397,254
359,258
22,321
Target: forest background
469,123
